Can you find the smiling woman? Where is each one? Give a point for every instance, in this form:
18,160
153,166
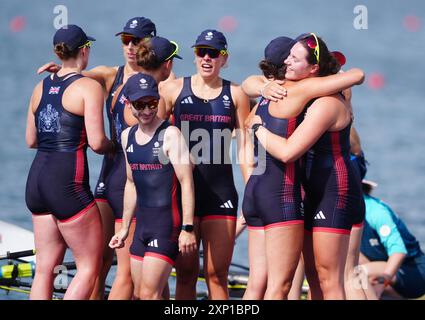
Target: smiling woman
206,104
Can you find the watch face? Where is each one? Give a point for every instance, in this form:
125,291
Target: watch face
187,227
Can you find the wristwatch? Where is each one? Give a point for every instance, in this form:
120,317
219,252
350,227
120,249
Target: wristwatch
187,227
255,127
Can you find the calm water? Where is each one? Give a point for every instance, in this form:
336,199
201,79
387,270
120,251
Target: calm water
390,120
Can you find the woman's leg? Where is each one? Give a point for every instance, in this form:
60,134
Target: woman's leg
218,238
283,250
330,255
50,249
155,273
315,292
257,281
187,270
297,283
122,288
353,288
136,266
108,254
85,239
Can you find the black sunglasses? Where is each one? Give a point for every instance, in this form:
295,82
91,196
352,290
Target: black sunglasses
127,38
141,105
212,53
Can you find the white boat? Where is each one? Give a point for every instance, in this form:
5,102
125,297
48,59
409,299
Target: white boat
14,239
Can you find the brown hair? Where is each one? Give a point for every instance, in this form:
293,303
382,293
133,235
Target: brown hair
328,64
146,57
270,70
64,53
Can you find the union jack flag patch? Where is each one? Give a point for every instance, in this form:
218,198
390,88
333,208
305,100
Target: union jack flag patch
54,90
123,99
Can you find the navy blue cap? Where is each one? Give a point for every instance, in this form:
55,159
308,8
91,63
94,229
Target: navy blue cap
278,50
164,49
211,38
73,36
140,85
140,27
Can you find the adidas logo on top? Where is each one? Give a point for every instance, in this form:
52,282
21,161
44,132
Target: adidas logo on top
187,100
228,204
153,243
130,148
319,216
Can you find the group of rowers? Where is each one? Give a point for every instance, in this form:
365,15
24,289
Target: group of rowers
166,183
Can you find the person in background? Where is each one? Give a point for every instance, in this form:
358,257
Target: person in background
392,263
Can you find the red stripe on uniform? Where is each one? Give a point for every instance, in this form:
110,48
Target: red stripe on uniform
283,224
159,256
132,256
79,161
340,171
289,175
255,228
331,230
119,220
101,200
358,225
174,203
79,214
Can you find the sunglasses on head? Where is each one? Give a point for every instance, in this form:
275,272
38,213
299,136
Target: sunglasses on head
127,38
313,43
212,53
141,105
86,45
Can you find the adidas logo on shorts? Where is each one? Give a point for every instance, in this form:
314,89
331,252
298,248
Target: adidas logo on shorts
228,204
319,216
153,243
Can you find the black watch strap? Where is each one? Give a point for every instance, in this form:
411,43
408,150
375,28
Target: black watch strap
187,227
256,126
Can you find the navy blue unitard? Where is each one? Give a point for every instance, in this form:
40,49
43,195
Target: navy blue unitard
108,162
58,181
158,198
116,176
207,126
273,195
333,195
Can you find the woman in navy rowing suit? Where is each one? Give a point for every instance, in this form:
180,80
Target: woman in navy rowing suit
207,109
323,135
155,57
134,32
160,183
64,116
276,226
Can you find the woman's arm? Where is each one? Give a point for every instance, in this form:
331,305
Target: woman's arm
102,74
245,152
130,200
256,86
319,118
31,130
93,116
177,151
127,113
301,92
169,92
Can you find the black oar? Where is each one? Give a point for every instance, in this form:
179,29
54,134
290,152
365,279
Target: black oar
18,254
